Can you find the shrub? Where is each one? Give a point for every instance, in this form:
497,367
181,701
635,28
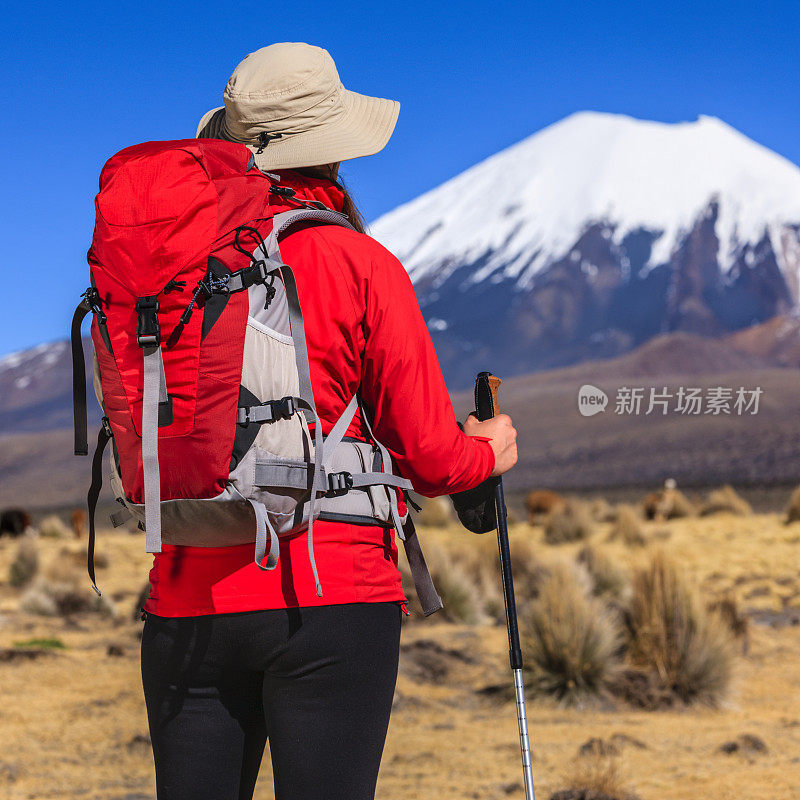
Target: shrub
595,776
729,612
459,592
25,565
674,636
526,566
460,595
793,509
725,500
53,526
608,578
39,602
478,560
601,510
627,527
570,524
571,638
679,505
437,512
63,593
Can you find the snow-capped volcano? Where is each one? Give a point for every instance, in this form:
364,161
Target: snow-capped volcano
598,232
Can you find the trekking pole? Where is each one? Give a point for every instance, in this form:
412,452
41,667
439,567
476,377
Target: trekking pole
486,407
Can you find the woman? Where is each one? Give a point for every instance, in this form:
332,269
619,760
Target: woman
231,655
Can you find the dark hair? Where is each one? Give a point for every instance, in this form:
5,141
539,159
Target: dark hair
348,206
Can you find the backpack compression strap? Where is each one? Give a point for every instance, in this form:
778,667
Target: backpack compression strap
104,436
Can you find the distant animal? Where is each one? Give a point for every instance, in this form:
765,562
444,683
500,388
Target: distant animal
14,521
541,502
652,505
78,522
660,506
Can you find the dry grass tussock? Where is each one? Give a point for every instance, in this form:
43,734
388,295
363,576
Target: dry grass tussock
570,524
725,500
595,776
437,512
601,510
53,526
462,600
609,579
627,527
673,636
467,576
61,589
679,505
25,565
571,638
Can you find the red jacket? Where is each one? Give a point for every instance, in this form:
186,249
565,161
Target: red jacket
364,329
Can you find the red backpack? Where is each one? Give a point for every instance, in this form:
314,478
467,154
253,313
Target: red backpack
201,365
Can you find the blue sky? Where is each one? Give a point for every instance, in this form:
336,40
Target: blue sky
82,80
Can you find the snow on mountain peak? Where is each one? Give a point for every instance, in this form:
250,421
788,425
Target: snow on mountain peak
526,206
43,356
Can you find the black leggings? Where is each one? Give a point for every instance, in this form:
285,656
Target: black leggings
318,682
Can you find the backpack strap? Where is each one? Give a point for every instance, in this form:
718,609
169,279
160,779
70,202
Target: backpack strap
104,436
79,379
90,302
429,597
307,395
263,526
423,583
148,336
270,250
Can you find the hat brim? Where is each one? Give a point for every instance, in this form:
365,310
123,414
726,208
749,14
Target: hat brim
363,130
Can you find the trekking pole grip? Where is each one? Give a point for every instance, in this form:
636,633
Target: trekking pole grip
487,404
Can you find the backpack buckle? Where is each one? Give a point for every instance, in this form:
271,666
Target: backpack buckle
284,408
95,304
339,483
148,331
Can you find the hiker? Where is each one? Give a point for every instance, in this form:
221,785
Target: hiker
233,655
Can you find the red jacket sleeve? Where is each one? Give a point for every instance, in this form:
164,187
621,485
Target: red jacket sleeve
403,388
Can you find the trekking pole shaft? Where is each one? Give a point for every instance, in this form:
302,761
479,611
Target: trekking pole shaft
514,649
524,742
486,407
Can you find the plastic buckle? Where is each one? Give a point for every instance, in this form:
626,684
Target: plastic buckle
283,408
261,267
148,330
339,483
107,428
282,191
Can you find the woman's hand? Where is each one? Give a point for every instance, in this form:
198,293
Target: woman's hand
502,436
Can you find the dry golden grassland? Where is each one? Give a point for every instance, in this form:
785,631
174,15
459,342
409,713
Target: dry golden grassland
73,725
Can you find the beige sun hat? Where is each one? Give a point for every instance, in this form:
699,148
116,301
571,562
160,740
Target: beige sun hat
288,105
